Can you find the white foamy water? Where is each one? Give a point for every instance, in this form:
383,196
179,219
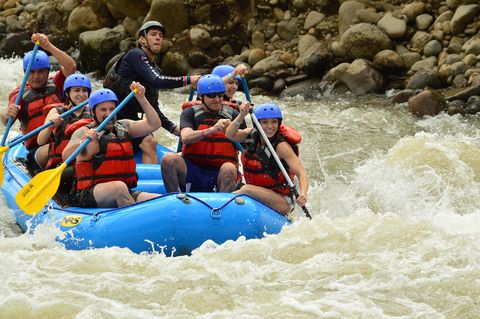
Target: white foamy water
395,233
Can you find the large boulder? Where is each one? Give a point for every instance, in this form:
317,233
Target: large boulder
98,47
360,76
347,14
463,16
171,13
88,18
363,40
131,9
315,59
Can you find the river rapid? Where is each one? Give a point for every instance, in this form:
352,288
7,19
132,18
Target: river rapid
395,232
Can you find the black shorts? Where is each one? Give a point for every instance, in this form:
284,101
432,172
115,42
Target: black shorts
85,198
31,162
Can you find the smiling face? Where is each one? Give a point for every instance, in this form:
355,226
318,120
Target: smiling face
78,94
153,40
269,126
231,88
214,102
37,78
102,111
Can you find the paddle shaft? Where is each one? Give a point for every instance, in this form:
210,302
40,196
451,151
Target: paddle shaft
99,128
20,91
48,124
272,150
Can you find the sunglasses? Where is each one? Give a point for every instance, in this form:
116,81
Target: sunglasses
214,95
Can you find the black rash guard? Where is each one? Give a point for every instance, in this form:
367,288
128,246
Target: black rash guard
135,66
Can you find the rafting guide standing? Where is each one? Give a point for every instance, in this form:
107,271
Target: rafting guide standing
139,65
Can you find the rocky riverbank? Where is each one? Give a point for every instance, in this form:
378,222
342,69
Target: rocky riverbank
291,46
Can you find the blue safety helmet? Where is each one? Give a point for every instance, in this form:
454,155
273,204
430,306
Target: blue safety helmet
100,96
268,111
41,60
222,70
210,84
77,80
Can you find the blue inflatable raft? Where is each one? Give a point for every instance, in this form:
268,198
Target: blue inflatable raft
174,224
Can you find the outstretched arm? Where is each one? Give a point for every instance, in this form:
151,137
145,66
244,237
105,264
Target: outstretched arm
151,122
68,65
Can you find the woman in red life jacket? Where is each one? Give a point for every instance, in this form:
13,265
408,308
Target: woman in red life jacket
105,170
40,91
264,179
77,89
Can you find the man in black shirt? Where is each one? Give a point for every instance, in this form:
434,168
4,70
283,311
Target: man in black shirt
139,65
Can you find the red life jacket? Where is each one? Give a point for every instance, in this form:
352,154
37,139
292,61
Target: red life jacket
215,149
31,113
259,165
114,162
61,134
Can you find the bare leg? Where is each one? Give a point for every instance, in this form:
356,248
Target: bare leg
112,194
266,196
149,150
227,178
174,171
143,196
41,156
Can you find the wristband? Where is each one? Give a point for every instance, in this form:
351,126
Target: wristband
236,122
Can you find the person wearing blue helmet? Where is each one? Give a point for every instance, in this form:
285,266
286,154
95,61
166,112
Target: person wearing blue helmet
209,159
76,89
138,64
231,77
263,176
40,91
105,170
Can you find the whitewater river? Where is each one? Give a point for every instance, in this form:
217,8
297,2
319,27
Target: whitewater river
395,233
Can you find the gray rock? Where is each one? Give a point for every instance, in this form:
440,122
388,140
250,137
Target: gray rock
423,21
412,10
97,47
200,38
313,18
388,61
312,88
131,9
287,29
347,15
360,77
463,16
363,40
175,63
171,13
315,59
425,78
432,48
394,27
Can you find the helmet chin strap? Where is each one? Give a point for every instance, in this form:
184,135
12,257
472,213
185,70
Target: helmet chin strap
147,45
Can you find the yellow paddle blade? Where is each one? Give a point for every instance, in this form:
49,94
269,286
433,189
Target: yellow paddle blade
3,149
36,194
